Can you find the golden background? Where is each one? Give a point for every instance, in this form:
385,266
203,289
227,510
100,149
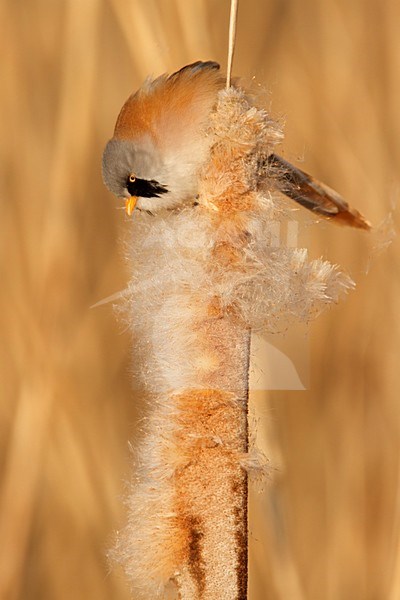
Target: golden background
327,525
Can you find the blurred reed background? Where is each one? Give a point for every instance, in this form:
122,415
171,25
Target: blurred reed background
327,525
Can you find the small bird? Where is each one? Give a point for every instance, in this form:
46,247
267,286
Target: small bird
159,146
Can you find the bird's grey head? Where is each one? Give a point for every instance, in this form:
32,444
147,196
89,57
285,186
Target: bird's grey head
131,171
136,169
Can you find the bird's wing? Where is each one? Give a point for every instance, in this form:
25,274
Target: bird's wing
311,193
194,68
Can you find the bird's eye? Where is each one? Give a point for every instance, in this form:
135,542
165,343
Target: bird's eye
132,178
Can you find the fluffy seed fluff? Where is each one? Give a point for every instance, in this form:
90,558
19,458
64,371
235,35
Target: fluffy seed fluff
201,278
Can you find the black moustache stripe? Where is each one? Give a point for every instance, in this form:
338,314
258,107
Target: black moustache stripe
145,188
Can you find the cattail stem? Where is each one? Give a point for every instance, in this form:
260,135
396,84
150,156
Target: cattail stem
211,490
202,277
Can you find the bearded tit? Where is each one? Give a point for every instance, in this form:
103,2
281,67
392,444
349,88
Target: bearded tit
160,145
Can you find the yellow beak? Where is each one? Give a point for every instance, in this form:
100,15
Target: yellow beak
130,204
